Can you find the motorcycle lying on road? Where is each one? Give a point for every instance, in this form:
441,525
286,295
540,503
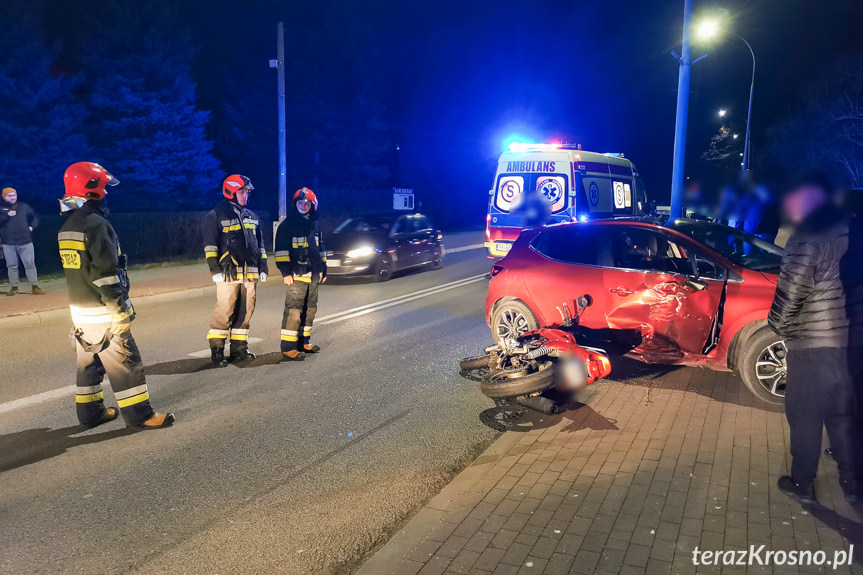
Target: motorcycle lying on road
542,369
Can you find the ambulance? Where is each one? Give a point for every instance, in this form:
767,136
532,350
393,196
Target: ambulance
577,185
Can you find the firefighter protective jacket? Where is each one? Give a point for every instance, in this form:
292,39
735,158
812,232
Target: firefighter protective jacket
234,243
95,269
300,248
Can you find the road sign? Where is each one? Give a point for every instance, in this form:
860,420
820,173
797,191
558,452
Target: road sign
403,198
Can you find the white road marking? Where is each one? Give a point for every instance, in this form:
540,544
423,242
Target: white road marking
206,352
69,390
363,310
448,251
38,398
405,297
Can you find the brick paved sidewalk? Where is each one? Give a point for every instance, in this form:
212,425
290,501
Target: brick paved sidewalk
631,482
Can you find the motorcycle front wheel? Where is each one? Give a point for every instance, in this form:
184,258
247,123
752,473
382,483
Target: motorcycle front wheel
501,385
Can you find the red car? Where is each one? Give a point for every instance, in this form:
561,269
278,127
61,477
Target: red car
692,293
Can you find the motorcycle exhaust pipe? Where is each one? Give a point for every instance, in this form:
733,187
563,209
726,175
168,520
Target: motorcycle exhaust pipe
538,403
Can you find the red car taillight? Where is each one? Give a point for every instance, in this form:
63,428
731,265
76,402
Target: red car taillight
496,270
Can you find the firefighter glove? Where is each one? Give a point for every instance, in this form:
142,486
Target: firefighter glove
263,277
121,327
218,278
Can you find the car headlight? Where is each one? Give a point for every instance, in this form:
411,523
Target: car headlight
362,252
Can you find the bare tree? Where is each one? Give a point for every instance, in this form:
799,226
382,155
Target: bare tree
827,131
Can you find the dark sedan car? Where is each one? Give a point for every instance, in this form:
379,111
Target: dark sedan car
381,244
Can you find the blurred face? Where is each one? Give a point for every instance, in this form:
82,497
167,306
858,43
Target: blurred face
802,201
11,198
304,206
243,196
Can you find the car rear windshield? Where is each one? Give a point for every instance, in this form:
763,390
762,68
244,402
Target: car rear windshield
738,246
364,224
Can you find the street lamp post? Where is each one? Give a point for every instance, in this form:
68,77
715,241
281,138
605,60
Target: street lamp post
682,114
709,28
749,113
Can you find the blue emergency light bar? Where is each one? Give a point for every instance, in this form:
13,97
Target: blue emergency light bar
525,147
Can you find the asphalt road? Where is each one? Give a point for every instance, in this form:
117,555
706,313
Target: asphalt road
296,468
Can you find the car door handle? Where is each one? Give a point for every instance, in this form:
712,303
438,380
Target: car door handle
621,291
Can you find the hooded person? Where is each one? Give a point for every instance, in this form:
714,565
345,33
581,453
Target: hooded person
99,303
302,260
237,258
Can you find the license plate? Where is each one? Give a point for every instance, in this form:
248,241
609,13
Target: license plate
502,247
334,263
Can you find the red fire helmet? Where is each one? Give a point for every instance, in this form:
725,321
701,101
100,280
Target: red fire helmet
87,180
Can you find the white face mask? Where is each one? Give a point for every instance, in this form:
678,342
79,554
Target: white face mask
304,206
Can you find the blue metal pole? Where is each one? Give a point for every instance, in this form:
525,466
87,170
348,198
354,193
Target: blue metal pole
682,115
283,168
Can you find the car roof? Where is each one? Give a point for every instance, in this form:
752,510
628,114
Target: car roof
389,215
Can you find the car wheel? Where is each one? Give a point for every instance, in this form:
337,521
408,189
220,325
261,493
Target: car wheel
437,261
383,269
763,366
510,320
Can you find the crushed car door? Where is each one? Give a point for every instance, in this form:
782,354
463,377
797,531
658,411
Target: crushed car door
654,293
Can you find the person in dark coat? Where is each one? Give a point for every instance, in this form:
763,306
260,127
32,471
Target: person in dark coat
17,222
818,311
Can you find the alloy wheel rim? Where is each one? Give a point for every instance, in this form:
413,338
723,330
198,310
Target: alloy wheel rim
771,368
511,325
384,270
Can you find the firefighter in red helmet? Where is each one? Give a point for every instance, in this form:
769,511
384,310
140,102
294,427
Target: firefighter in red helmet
235,252
99,303
301,258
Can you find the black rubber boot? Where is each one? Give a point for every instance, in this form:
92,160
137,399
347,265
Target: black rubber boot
217,356
309,348
803,492
240,355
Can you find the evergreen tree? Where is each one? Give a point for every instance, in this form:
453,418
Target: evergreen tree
40,120
146,127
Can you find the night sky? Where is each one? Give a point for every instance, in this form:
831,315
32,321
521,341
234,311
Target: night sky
460,76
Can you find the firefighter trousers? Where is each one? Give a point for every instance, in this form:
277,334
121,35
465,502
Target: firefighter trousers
99,352
235,304
301,305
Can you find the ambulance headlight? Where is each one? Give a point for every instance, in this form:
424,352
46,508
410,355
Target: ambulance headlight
362,252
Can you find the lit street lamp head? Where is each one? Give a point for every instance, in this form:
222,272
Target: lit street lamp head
722,112
707,29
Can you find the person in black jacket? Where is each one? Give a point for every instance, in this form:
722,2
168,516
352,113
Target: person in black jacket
302,260
818,311
237,258
102,312
17,222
